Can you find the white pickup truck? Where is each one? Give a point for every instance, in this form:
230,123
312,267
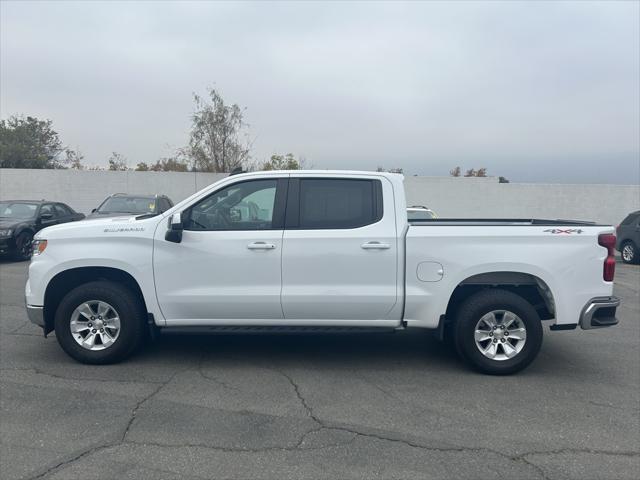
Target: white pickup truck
319,251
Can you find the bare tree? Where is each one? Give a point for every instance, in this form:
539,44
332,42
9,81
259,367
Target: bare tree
455,172
117,162
470,173
218,142
74,159
482,172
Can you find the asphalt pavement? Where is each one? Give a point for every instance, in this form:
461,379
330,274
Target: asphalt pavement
311,407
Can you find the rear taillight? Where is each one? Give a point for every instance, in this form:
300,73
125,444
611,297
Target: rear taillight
608,241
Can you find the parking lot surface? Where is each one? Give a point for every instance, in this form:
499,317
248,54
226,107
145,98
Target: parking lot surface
353,406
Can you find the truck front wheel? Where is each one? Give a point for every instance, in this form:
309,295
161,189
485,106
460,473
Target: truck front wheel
498,332
99,322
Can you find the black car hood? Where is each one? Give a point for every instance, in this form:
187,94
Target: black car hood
14,222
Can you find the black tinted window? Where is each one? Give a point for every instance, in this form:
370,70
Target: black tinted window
339,203
631,218
47,209
62,210
163,205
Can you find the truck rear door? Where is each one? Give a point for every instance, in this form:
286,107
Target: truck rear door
339,249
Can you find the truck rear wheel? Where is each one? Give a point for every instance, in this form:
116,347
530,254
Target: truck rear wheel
498,332
629,253
99,322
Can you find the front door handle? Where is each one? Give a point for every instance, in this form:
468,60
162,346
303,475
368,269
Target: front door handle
261,246
375,246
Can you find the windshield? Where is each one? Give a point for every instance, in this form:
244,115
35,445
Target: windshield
17,210
134,205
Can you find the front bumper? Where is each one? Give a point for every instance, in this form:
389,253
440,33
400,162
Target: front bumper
599,312
36,315
7,246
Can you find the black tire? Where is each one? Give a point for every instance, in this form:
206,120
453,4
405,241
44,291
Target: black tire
631,253
481,303
129,309
23,246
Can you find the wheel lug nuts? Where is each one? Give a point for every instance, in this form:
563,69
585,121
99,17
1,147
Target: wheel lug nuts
491,334
93,330
495,340
502,340
93,318
90,324
506,334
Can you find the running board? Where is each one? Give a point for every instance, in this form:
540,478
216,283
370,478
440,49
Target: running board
271,330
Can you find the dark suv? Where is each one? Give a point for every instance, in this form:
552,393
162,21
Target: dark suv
120,204
628,234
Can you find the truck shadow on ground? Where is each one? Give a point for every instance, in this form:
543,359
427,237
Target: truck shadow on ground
383,350
409,350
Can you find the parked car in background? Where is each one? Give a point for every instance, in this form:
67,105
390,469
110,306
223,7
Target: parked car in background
418,212
21,219
120,204
628,234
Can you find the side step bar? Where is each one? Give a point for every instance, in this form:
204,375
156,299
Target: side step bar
271,330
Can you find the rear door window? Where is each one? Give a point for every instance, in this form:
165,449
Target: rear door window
326,203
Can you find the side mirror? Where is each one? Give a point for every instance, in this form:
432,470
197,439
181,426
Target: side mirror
46,216
174,230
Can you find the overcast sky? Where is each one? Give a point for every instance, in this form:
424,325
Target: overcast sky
534,91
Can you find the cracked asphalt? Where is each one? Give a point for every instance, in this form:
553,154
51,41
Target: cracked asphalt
311,407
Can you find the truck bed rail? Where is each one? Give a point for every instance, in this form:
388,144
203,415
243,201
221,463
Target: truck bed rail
489,222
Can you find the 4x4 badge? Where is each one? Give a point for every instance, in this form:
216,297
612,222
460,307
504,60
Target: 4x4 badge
567,231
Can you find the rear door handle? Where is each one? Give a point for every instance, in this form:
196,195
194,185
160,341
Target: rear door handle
261,246
375,246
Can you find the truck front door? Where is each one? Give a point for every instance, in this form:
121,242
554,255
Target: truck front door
227,265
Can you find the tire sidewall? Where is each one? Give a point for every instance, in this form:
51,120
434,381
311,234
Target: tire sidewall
482,303
129,312
20,240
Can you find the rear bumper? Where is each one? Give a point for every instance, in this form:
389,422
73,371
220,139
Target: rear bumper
599,312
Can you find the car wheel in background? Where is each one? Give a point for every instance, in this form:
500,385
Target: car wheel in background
23,246
498,332
99,322
629,253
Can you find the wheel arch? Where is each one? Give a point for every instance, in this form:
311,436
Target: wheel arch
527,285
65,281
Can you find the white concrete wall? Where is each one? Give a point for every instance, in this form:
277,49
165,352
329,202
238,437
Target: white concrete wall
449,197
467,197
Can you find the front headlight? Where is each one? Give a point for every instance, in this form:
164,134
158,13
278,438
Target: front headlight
39,245
6,232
